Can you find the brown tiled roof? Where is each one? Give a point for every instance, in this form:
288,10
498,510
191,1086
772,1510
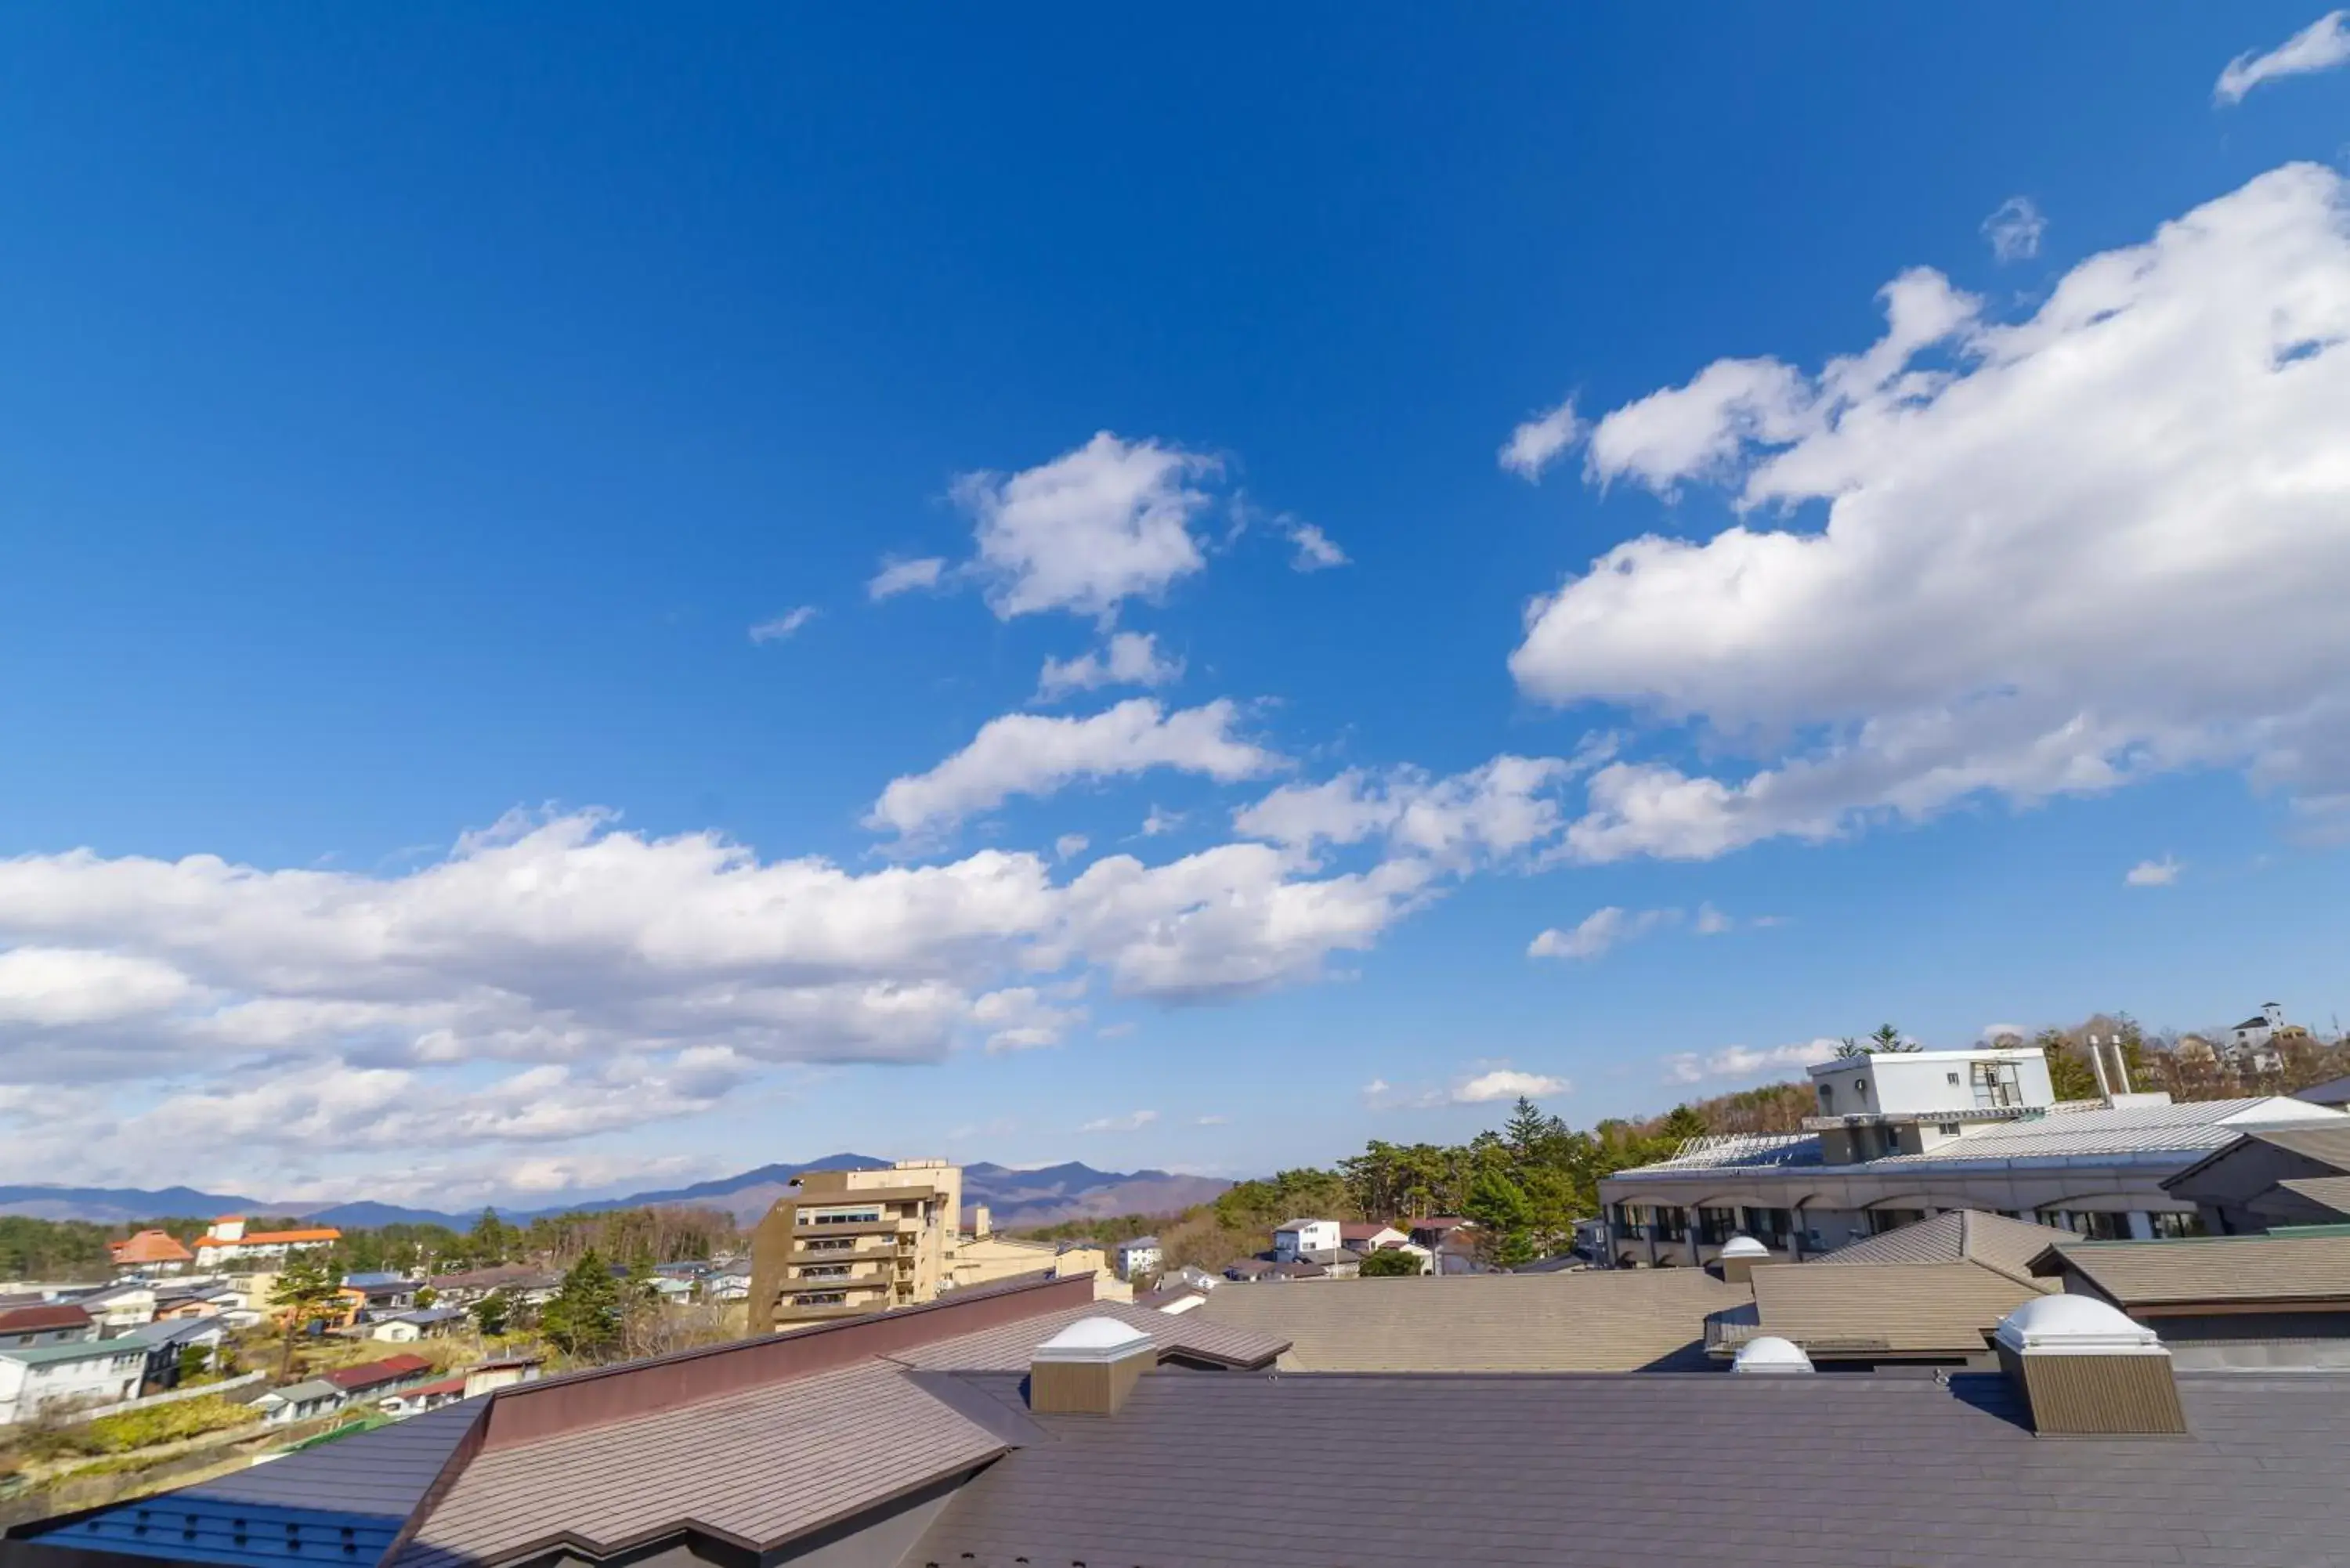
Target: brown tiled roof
1595,1321
1959,1236
1897,1309
2235,1269
755,1470
150,1247
2327,1142
42,1319
1007,1347
368,1373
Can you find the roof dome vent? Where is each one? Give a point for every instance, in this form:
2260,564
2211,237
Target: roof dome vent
1769,1354
1744,1246
2076,1325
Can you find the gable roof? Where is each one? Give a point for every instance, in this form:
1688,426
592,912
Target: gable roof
43,1319
1959,1236
1595,1321
309,1391
73,1350
150,1247
2208,1270
368,1373
1892,1309
2326,1191
2327,1142
1009,1347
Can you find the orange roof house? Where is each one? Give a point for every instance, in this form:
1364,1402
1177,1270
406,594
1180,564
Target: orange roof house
149,1250
229,1238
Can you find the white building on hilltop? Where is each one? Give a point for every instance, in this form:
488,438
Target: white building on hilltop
1900,1136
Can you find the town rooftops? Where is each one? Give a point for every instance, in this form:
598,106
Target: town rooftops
2324,1139
1891,1310
2326,1191
1595,1321
2280,1271
377,1281
150,1247
73,1350
373,1373
1137,1244
46,1319
2083,1132
309,1391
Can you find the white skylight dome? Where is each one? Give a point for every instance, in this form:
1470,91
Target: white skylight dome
2076,1325
1094,1339
1742,1246
1769,1352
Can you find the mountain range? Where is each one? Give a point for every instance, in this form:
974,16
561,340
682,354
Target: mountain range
1014,1197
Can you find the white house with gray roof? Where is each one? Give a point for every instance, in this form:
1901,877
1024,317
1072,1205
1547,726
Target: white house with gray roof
37,1377
1901,1136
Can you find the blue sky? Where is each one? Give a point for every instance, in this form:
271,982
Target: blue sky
421,430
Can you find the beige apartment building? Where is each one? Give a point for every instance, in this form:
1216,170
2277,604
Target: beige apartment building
851,1241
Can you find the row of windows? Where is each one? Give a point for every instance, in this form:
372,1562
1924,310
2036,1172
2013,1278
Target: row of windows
840,1216
1772,1227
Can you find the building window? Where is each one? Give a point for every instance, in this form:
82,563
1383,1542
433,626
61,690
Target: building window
1948,1129
1771,1227
825,1271
1672,1224
823,1298
1715,1225
842,1217
1996,1086
2171,1227
1880,1221
1828,1099
1953,1077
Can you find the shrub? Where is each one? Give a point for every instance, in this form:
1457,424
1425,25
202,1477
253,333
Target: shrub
157,1423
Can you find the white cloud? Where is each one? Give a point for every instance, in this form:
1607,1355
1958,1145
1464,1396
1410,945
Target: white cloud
1712,923
2159,873
1157,822
1598,931
784,624
1503,1084
1108,522
1502,808
897,577
1537,443
1131,658
2011,511
1031,754
1745,1062
2320,46
2014,229
1317,551
1495,1081
1022,1018
49,988
1069,846
1132,1121
1210,1121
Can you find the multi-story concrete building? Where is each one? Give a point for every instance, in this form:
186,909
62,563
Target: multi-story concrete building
1900,1136
850,1242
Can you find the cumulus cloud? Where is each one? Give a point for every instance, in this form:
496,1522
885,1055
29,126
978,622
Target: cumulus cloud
1502,808
1598,931
1712,923
1031,754
2009,509
1745,1062
2159,873
1132,1121
2014,229
1315,551
897,577
784,624
1128,658
1069,846
1108,522
2320,46
1535,444
1494,1081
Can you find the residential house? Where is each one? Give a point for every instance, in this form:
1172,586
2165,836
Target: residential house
1139,1257
1190,1275
303,1401
1435,1230
371,1380
381,1294
52,1323
503,1372
1901,1136
1295,1269
422,1322
35,1378
521,1283
229,1244
423,1396
1338,1263
1297,1237
1249,1270
117,1307
2334,1093
850,1242
151,1254
2256,1045
166,1338
998,1426
730,1282
1363,1237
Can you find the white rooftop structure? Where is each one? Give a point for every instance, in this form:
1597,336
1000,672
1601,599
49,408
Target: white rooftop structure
1744,1246
1093,1339
1769,1353
2076,1325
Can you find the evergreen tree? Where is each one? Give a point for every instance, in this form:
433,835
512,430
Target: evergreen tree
306,1288
1888,1039
493,1313
1393,1260
583,1318
1505,1220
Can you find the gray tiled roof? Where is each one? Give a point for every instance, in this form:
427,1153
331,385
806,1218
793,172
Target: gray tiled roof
2327,1191
1957,1236
1596,1321
799,1454
1898,1309
1602,1472
1007,1348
